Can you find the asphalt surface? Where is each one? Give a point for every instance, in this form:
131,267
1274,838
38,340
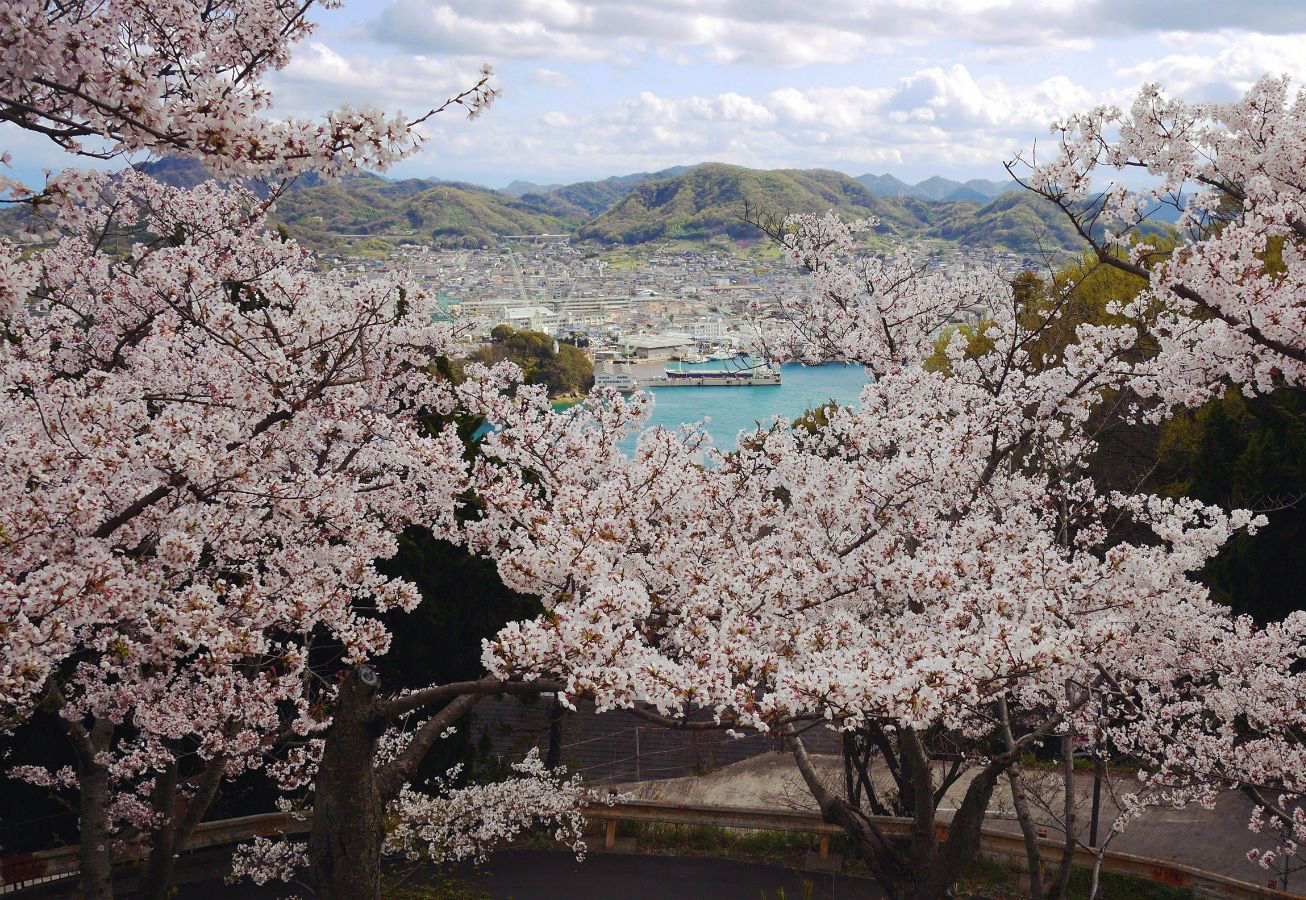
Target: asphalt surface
554,875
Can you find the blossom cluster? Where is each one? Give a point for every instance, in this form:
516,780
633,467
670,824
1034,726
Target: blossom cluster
102,79
910,561
207,444
1228,304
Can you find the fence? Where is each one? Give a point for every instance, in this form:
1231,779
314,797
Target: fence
48,865
618,746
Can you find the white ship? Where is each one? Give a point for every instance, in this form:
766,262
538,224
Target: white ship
716,378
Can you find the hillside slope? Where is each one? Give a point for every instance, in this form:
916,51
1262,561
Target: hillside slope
1023,222
708,200
439,213
695,203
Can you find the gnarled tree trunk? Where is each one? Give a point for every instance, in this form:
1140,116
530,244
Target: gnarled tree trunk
179,823
348,813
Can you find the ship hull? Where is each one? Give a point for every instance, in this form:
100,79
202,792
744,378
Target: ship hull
713,382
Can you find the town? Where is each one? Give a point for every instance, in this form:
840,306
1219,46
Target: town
691,304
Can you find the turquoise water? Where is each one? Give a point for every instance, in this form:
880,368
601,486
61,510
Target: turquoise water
735,409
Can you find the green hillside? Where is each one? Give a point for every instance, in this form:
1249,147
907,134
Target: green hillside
444,214
586,199
707,201
702,203
1017,221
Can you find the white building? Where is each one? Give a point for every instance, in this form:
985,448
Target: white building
656,346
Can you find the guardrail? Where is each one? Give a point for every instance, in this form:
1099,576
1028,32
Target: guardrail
48,865
992,841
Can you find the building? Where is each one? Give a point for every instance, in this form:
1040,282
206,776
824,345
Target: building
656,346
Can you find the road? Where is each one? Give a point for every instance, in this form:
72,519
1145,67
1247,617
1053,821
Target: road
550,875
1215,839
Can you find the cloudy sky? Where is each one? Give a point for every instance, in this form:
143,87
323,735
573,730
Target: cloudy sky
913,87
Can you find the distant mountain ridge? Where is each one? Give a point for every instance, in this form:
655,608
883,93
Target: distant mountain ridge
937,188
685,203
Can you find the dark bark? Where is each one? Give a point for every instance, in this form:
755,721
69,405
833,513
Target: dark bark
1021,805
95,851
401,770
881,857
957,852
917,768
348,814
164,845
1067,855
351,793
554,756
1027,829
95,855
179,825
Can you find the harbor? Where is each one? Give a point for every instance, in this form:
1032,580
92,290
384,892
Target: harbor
726,411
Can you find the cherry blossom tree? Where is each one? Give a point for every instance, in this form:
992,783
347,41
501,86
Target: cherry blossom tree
1228,304
206,443
1223,309
107,79
445,822
935,565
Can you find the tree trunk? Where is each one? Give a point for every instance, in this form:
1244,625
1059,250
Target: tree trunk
884,861
348,814
1058,889
554,757
1021,805
962,846
919,773
95,853
1028,829
95,856
164,844
179,824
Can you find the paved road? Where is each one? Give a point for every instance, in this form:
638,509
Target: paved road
551,875
543,875
1216,839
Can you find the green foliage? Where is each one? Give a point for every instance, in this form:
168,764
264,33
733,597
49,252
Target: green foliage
567,372
990,879
1020,221
1248,452
452,215
1233,452
780,847
708,200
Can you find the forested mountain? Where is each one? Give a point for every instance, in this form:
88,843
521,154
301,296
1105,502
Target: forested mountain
1019,221
937,188
443,213
706,201
688,203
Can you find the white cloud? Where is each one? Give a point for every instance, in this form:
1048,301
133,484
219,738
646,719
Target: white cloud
558,120
1229,65
753,32
937,119
319,78
553,79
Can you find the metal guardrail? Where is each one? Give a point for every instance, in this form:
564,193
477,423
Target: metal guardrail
41,866
48,865
992,841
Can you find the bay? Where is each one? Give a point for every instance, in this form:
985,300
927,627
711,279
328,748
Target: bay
730,410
